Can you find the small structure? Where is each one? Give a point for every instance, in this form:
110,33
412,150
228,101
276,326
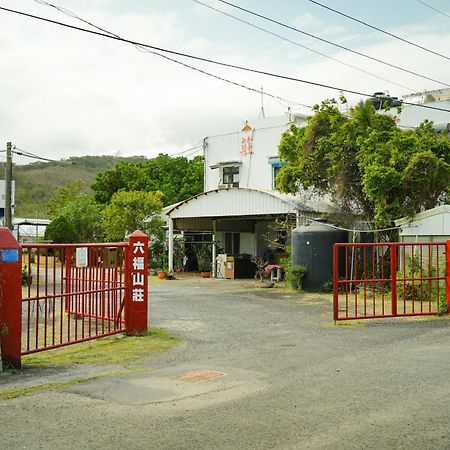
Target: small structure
240,206
29,230
432,225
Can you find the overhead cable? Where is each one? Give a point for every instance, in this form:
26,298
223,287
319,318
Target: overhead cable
19,151
195,147
379,29
141,48
211,61
342,47
301,45
434,9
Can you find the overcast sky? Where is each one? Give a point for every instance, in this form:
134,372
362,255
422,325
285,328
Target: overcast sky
66,93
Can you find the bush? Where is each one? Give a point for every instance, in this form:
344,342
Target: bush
295,274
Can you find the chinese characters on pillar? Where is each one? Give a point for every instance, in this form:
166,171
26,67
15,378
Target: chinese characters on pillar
138,274
246,143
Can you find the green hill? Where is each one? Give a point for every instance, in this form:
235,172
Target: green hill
37,182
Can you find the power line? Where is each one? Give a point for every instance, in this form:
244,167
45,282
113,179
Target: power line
195,147
379,29
342,47
70,13
300,45
434,9
211,61
19,151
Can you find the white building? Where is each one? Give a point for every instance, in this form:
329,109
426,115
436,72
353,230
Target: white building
3,197
240,205
432,225
412,116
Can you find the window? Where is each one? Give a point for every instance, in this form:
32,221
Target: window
275,172
230,175
232,243
276,164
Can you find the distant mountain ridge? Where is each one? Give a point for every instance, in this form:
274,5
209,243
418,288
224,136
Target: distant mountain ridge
38,181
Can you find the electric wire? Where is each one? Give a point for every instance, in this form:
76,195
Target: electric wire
301,45
195,147
342,47
139,47
18,151
352,229
211,61
379,29
434,9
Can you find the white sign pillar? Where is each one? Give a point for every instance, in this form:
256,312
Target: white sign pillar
214,251
170,244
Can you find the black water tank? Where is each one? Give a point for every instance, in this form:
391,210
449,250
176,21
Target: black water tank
312,246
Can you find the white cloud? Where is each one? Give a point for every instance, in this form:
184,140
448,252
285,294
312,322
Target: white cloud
307,20
65,93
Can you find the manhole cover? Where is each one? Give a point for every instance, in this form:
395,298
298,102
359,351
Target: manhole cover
200,375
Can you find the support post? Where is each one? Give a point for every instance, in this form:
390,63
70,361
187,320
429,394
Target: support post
8,186
10,298
447,274
136,279
336,282
170,244
214,251
393,248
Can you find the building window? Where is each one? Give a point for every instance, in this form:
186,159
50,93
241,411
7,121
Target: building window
275,172
230,175
276,164
232,243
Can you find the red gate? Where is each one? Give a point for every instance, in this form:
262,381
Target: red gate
69,301
74,293
390,279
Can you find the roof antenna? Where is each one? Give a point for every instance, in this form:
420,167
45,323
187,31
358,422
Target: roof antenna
261,111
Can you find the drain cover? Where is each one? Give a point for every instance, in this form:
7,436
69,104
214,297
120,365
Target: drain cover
200,375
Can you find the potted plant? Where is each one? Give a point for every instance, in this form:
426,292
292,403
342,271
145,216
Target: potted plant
162,273
205,269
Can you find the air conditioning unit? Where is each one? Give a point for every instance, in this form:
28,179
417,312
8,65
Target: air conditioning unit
225,186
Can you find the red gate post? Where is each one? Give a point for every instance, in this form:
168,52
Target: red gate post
136,279
10,298
336,282
393,249
447,274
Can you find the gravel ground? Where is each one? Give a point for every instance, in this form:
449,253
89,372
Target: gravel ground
289,379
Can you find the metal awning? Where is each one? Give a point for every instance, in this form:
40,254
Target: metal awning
236,202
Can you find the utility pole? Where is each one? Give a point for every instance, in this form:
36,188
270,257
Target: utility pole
8,182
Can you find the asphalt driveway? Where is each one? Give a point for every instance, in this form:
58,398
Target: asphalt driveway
258,369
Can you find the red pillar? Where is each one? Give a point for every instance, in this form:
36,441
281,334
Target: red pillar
10,298
447,274
336,282
136,303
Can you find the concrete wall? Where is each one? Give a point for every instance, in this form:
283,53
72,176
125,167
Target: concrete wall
255,169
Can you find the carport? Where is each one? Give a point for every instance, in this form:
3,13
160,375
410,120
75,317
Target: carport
227,212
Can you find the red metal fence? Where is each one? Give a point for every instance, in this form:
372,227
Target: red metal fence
65,302
390,279
69,293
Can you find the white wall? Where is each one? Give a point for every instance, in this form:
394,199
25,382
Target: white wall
412,116
255,170
433,225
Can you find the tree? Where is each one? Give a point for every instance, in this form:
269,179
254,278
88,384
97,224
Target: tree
79,220
130,211
66,194
366,163
177,178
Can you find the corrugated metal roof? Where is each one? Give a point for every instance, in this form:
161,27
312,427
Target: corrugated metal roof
236,202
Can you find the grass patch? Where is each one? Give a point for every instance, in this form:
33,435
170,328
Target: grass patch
9,394
115,349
